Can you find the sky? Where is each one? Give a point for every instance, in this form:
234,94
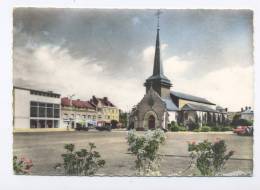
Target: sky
110,52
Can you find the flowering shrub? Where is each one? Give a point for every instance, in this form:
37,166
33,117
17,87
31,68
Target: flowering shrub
146,148
208,157
83,162
22,166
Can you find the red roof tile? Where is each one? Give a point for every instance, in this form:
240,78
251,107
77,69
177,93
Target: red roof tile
76,103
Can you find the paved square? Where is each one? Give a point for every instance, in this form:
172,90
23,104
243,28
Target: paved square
45,150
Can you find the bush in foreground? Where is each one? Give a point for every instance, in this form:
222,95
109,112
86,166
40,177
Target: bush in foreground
209,158
22,166
146,148
81,163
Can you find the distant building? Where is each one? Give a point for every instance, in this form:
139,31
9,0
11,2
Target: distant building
231,115
247,113
160,105
33,109
106,111
77,111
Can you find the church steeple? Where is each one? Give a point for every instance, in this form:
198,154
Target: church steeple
157,67
158,80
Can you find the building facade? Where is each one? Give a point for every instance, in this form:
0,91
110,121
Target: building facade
92,112
77,112
247,113
105,110
33,109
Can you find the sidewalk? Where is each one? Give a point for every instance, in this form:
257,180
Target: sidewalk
41,130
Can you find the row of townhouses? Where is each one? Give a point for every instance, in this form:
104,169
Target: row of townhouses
34,109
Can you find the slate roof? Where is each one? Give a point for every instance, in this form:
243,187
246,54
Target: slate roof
170,105
191,97
195,107
104,101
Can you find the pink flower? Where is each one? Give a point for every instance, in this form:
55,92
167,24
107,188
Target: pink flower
23,158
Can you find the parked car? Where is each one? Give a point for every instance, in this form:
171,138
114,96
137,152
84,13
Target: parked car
103,126
244,130
80,127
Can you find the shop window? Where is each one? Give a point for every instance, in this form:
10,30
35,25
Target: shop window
49,112
49,124
42,111
56,113
33,111
41,123
56,123
33,123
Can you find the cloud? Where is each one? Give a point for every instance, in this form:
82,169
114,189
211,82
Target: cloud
136,20
176,67
51,67
230,87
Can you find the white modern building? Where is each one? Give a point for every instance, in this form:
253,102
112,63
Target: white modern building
34,109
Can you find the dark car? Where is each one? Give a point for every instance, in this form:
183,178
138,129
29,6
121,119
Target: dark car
80,127
105,127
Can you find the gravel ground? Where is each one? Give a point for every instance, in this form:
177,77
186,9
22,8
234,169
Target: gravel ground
45,150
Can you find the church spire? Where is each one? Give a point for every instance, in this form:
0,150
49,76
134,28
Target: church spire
157,67
158,80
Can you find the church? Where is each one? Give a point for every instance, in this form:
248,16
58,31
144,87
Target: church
161,105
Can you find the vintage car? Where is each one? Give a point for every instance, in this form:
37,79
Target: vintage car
244,130
81,127
103,126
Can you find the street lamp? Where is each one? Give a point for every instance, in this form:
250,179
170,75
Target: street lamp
71,108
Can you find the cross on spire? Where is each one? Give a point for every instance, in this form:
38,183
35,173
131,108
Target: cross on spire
158,18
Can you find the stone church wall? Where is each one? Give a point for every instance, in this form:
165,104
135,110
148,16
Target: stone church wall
151,104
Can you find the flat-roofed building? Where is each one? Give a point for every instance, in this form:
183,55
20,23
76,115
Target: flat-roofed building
33,109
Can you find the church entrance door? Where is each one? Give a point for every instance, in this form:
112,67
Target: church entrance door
151,122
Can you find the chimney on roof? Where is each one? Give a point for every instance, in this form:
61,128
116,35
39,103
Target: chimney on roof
242,109
246,108
105,99
226,109
249,108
